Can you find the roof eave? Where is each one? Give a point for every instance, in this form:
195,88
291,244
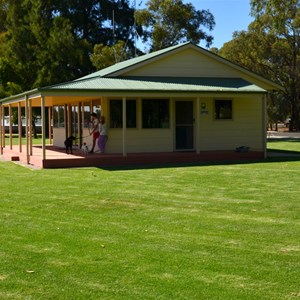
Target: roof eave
21,97
75,91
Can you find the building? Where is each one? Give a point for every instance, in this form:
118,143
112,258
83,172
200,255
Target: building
179,99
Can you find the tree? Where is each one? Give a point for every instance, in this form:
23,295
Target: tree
99,22
270,47
3,12
51,41
105,56
281,19
168,22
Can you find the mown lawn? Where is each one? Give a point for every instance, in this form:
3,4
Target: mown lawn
284,144
15,140
194,232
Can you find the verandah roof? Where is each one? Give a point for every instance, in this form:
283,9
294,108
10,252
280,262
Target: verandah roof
168,84
144,85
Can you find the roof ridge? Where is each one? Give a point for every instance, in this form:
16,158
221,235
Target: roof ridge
132,61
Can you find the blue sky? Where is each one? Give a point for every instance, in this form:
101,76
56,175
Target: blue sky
230,16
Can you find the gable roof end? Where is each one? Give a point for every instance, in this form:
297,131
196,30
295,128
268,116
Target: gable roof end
121,68
133,62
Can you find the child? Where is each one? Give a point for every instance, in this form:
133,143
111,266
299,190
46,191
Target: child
103,135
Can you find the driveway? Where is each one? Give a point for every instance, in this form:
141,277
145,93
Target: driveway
283,135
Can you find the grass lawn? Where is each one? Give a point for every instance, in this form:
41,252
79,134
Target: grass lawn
284,144
15,140
198,232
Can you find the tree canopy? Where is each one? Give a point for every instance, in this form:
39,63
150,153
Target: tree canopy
168,22
46,42
271,47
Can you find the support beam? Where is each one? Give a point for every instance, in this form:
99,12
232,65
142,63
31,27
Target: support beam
20,126
1,129
10,128
30,127
264,125
43,111
27,129
124,126
80,123
3,126
50,124
197,125
69,120
66,120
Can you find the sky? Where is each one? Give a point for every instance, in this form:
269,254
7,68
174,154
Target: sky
230,16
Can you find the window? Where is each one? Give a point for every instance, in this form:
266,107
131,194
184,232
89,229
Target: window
131,114
86,114
58,116
96,108
223,109
155,113
116,114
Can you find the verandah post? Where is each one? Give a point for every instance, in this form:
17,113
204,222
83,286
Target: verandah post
49,123
198,125
20,126
43,126
30,126
27,130
3,126
1,130
264,125
124,125
10,127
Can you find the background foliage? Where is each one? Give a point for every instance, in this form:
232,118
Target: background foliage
47,42
271,47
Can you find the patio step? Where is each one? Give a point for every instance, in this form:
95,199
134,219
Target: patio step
15,158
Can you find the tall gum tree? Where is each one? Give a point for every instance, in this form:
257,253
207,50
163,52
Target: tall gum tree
281,19
169,22
51,41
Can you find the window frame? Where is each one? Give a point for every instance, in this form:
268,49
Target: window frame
217,116
161,118
119,120
58,116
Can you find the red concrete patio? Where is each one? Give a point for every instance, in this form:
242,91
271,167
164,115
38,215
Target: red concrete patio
57,158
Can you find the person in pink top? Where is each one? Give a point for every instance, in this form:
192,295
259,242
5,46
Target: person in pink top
95,130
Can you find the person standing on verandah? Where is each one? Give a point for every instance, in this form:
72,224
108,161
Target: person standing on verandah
103,134
95,130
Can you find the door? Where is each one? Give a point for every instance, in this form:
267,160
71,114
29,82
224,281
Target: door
184,125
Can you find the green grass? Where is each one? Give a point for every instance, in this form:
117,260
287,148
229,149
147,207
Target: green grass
284,145
198,232
15,140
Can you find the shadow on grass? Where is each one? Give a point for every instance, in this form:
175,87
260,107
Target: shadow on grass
279,140
276,159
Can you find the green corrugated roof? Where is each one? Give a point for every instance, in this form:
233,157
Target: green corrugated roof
159,84
131,62
122,67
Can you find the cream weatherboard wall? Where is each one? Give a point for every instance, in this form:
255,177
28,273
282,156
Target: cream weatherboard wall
187,63
245,129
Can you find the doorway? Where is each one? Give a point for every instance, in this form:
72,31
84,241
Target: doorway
184,125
